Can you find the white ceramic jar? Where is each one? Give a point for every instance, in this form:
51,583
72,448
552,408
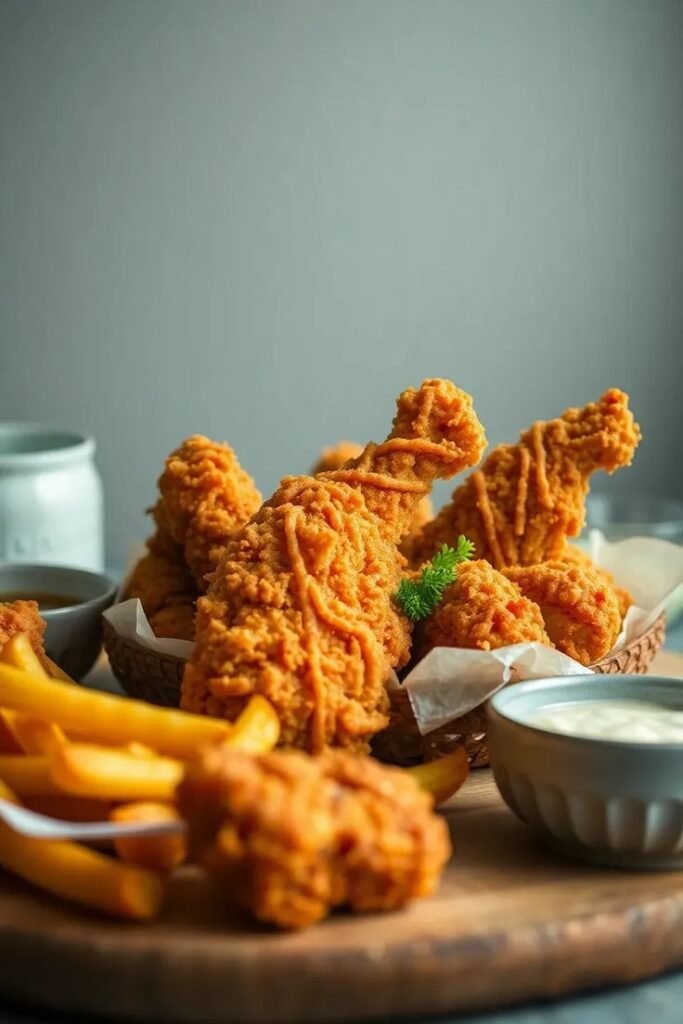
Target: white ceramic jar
51,508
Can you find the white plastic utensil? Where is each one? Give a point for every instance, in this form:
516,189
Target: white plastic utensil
40,826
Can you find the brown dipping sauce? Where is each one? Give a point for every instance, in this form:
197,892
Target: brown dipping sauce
46,602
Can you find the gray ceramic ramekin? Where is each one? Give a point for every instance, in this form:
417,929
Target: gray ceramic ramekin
604,801
73,636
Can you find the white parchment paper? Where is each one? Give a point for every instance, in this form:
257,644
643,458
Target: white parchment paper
130,622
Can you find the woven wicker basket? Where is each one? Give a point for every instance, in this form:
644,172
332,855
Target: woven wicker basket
402,744
144,674
156,678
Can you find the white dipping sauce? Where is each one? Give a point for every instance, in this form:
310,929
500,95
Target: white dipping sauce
630,721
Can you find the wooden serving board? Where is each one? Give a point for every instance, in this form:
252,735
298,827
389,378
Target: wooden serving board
510,921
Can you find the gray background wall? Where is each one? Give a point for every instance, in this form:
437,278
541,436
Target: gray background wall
261,220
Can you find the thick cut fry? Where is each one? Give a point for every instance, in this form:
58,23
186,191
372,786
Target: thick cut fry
158,853
34,735
139,750
257,729
108,718
19,653
27,776
37,736
443,777
79,874
86,770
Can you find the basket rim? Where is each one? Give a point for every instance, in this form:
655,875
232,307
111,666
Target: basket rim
110,633
111,638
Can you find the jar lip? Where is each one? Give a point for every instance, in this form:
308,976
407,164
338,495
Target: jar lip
34,445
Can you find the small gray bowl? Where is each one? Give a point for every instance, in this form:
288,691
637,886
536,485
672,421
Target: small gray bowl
73,637
604,801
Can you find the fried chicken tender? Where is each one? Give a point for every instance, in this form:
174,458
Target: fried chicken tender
175,621
205,496
482,610
290,837
23,617
580,611
575,556
527,498
300,607
334,458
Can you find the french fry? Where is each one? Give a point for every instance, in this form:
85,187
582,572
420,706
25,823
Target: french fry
139,750
37,736
83,769
34,735
158,853
110,719
18,652
443,777
76,873
257,729
27,776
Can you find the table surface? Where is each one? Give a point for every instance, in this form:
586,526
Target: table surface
633,1004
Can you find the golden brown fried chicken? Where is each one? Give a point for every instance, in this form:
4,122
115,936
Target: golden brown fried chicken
205,496
300,607
580,611
290,837
527,498
22,617
161,579
334,458
482,610
575,556
175,621
165,587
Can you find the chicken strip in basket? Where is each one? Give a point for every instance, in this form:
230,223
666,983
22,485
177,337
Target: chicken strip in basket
205,496
527,498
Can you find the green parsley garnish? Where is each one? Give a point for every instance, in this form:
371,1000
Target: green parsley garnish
419,598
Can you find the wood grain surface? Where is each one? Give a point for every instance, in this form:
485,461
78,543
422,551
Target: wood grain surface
509,922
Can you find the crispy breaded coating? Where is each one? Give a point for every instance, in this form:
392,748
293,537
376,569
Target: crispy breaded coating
22,617
300,607
175,621
290,837
580,610
482,610
575,556
205,496
160,581
334,458
527,498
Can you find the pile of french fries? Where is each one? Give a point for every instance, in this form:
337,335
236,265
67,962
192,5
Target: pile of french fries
81,755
